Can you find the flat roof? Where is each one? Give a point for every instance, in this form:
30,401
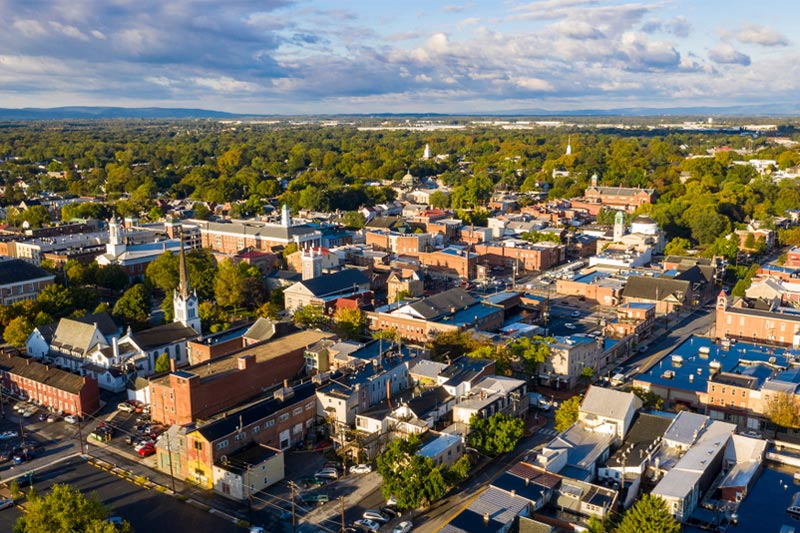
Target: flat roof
438,445
695,363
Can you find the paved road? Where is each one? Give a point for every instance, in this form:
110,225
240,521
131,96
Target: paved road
147,510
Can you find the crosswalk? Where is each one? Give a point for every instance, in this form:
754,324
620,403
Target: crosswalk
548,432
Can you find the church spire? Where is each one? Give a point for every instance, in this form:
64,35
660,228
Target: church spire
183,288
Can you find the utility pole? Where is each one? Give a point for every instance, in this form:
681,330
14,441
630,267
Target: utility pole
341,501
249,496
80,434
169,448
294,513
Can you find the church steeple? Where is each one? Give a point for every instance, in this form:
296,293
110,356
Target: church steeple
184,299
569,144
183,286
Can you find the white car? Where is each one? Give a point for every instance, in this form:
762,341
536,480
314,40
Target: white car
367,524
392,501
6,502
327,473
375,516
576,314
403,527
570,325
360,469
126,407
71,419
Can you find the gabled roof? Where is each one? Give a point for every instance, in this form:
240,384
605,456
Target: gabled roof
103,321
657,289
17,271
41,373
163,335
336,282
443,303
73,335
608,403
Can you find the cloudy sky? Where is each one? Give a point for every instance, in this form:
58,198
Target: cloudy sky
333,56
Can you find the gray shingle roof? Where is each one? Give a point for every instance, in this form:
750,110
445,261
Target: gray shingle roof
17,270
656,289
336,282
443,303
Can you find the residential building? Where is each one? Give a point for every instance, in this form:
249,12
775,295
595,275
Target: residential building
633,319
620,198
451,262
241,475
203,390
54,388
608,411
20,280
325,289
492,395
668,295
443,449
568,357
520,254
407,282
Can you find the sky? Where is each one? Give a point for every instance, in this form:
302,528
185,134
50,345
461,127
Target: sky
372,56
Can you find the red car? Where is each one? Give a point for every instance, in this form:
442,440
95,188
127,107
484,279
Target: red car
147,451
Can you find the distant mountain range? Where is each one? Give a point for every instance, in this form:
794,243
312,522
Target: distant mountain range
91,112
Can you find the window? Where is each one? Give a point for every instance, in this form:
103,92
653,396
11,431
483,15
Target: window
297,411
283,417
241,436
198,445
309,406
713,388
743,394
222,444
269,423
256,429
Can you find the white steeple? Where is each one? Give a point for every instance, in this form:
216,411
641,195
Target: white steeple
116,237
619,226
311,264
184,299
426,154
569,144
286,216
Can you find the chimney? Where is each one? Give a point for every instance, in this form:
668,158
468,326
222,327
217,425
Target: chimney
171,364
115,349
485,519
245,361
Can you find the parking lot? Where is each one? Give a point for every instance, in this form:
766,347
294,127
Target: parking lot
146,510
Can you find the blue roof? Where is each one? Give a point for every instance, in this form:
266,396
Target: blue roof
638,305
591,277
438,445
734,360
469,315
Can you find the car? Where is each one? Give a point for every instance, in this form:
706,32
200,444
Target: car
327,473
369,525
570,325
116,521
8,435
126,407
7,454
6,503
52,417
643,348
752,434
22,456
71,419
403,527
29,412
42,416
322,446
360,469
257,529
390,512
576,314
143,444
318,498
147,450
375,516
310,482
392,501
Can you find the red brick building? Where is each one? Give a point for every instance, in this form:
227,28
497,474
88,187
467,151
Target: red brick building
54,388
452,262
528,257
203,390
740,319
619,198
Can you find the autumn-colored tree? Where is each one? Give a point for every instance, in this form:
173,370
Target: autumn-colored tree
349,323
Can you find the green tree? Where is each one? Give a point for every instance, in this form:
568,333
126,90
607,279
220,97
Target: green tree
162,363
163,272
414,480
531,352
210,315
649,515
133,307
678,246
440,200
567,413
783,410
18,330
353,220
55,300
587,374
112,277
310,316
226,288
289,250
65,510
201,211
349,323
650,400
494,435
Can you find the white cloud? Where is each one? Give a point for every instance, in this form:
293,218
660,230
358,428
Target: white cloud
533,84
97,34
755,34
69,31
225,84
724,53
29,28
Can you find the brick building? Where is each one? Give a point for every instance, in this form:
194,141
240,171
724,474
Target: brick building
407,281
527,256
20,280
411,244
452,262
596,286
203,390
232,237
53,388
619,198
632,319
756,321
279,422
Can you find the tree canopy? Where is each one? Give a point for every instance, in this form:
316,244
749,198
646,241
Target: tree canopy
648,515
66,510
411,478
567,413
495,435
